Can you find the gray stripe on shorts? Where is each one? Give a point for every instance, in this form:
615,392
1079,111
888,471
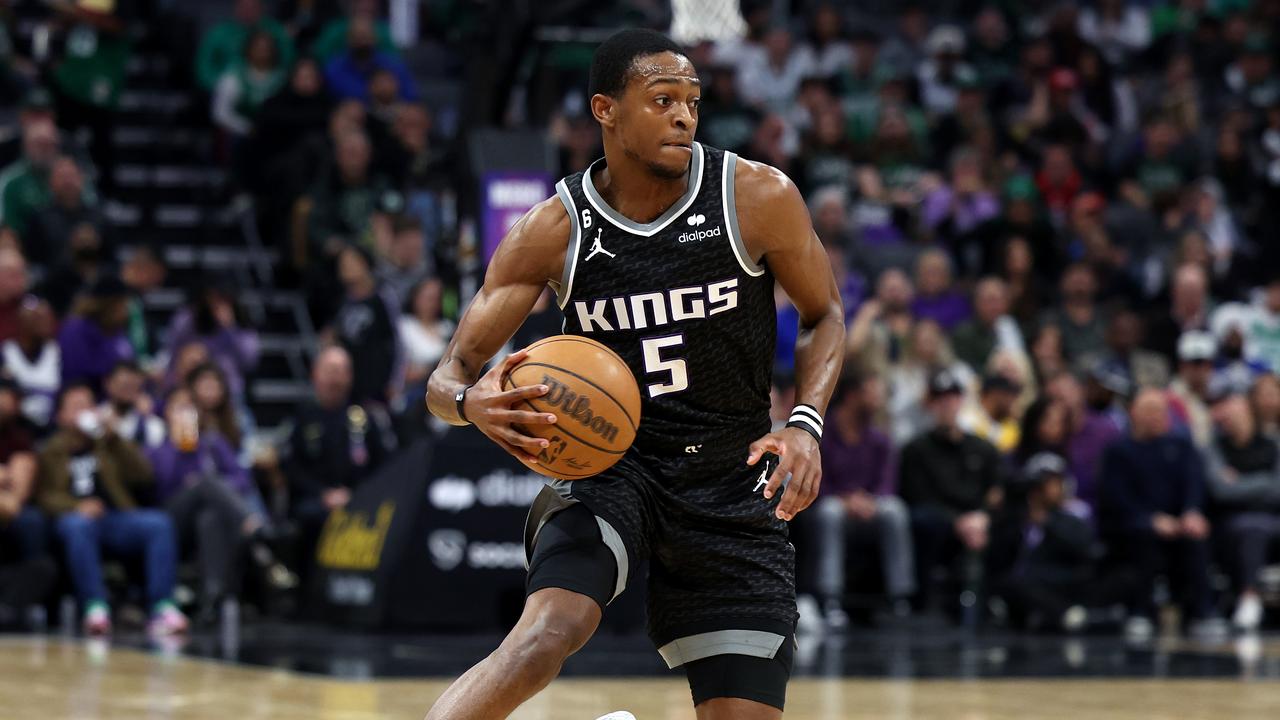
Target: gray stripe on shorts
613,541
756,643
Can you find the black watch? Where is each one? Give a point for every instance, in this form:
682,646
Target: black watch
461,398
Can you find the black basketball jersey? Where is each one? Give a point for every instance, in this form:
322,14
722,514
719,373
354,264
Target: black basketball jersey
680,300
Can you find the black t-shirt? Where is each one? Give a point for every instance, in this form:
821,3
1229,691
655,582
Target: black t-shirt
367,330
1257,455
86,481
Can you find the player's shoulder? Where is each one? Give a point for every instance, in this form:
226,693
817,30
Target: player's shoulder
757,182
548,220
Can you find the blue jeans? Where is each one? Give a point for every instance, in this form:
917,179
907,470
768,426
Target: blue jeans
28,533
145,533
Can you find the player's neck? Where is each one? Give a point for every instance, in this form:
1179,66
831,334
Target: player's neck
634,191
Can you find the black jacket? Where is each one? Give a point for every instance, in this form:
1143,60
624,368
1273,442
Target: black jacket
954,476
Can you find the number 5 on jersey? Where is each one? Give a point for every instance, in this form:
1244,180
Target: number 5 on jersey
675,367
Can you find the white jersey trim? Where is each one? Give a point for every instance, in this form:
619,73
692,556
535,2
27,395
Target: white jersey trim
570,253
648,229
729,206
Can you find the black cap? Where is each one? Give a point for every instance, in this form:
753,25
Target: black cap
1111,377
996,382
108,286
945,382
1042,466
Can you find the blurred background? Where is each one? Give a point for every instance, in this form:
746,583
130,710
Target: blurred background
235,238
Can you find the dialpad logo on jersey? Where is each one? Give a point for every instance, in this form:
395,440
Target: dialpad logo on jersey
698,235
696,220
578,408
655,309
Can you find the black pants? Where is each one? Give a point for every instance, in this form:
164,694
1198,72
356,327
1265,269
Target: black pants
1185,562
22,585
936,544
1039,599
210,515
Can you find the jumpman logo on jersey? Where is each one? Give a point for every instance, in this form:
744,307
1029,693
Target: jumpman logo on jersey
764,480
597,248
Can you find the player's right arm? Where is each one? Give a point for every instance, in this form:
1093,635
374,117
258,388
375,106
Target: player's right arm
530,256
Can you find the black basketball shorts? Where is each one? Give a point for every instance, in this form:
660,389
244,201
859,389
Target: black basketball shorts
721,587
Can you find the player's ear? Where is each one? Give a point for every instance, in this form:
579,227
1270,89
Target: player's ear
603,108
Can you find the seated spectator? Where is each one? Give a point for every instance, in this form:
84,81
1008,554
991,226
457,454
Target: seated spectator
332,38
955,210
33,360
1264,396
1189,390
1124,337
1089,432
1043,560
335,444
404,265
207,493
938,74
224,44
213,318
127,399
246,84
990,328
880,328
87,478
285,121
366,326
346,197
935,299
992,418
769,74
423,333
219,411
1244,484
429,168
950,481
1077,315
92,340
860,476
1188,309
1153,490
22,526
925,353
348,74
47,242
13,290
188,357
1262,326
88,262
143,272
24,185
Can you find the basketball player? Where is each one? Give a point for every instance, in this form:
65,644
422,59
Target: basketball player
667,252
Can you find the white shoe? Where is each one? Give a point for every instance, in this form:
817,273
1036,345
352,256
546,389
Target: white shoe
811,621
1139,629
620,715
1248,613
834,616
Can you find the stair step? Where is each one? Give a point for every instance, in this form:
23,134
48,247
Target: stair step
216,258
279,391
170,176
156,101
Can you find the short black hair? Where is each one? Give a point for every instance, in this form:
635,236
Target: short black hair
613,60
128,366
73,386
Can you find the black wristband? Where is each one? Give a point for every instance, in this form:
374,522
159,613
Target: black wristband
461,399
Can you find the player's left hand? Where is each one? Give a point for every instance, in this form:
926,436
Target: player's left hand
798,456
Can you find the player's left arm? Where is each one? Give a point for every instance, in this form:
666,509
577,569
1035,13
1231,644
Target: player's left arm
776,230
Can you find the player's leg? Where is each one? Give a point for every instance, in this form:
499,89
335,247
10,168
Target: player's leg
554,625
736,709
572,576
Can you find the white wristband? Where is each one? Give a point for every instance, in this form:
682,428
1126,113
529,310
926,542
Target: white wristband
807,416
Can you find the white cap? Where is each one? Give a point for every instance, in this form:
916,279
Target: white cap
945,38
1196,345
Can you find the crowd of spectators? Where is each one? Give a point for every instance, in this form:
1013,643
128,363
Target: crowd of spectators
1051,226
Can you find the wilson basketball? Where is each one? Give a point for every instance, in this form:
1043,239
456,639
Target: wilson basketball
595,400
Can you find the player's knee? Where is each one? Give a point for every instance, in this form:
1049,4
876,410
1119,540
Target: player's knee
555,632
892,511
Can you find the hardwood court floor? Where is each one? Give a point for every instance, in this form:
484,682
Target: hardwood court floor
49,678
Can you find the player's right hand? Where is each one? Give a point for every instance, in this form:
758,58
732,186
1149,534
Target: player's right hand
493,410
